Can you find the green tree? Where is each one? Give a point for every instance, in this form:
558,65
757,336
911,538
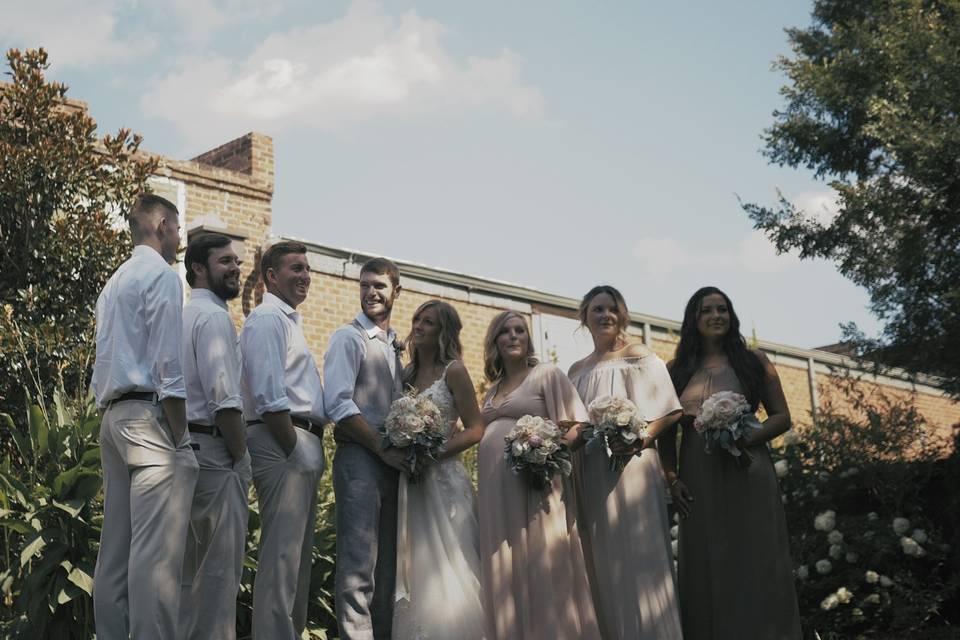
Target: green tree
872,108
61,193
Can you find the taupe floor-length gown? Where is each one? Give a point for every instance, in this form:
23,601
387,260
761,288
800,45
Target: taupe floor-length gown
623,514
736,579
534,580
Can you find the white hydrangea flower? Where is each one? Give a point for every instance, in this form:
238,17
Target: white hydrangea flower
910,547
873,516
835,537
836,551
901,526
782,467
826,521
872,577
852,557
920,536
830,602
823,566
844,595
885,582
803,572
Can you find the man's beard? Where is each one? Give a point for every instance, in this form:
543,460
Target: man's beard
224,291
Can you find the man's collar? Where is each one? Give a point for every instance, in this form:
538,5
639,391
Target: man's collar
149,252
201,293
371,327
269,298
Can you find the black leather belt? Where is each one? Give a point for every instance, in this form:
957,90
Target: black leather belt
307,425
203,428
144,396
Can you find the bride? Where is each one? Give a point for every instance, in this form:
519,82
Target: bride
438,566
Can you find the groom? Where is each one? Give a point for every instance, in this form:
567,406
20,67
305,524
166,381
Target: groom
361,372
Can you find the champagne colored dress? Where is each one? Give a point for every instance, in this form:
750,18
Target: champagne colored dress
534,580
623,514
438,565
736,578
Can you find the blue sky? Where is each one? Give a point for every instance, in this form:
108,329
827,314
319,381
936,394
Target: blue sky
551,144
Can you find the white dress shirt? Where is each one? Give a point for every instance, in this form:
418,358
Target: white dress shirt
139,327
341,364
211,362
279,372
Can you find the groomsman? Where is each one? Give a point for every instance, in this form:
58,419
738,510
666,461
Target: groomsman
363,377
283,405
213,562
149,469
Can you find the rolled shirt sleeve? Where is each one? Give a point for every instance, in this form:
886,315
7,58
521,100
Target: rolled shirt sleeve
341,365
263,348
217,363
163,315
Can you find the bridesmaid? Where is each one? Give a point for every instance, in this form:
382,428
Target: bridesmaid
736,577
534,580
623,514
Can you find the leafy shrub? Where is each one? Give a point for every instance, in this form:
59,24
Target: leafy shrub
868,544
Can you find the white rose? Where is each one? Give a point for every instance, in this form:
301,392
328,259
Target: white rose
872,577
782,467
901,526
844,595
910,547
803,572
823,566
873,598
835,537
836,551
825,521
920,536
885,582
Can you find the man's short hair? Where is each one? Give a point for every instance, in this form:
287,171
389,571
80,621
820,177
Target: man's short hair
198,251
382,266
274,255
145,204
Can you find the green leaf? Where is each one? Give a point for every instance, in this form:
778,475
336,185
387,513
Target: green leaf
39,429
73,507
33,548
16,525
20,492
82,579
91,457
60,412
18,438
68,593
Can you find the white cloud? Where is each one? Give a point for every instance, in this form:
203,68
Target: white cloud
366,64
752,254
75,34
821,205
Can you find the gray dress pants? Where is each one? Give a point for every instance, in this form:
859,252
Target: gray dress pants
148,486
366,493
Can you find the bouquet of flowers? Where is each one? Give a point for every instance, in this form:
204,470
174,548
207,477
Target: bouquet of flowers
535,449
615,418
415,422
725,419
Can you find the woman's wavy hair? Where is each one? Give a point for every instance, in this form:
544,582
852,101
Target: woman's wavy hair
492,362
449,347
689,355
622,311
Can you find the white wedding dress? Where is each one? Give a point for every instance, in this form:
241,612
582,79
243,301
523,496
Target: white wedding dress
438,563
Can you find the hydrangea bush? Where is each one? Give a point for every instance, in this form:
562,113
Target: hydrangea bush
860,489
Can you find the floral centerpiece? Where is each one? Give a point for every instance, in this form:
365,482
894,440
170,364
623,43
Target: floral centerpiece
615,418
724,420
535,449
414,422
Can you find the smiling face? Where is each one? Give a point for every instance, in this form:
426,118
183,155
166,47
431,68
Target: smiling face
426,328
603,317
223,272
713,320
290,281
377,294
513,340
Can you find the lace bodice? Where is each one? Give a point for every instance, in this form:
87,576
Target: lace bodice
441,395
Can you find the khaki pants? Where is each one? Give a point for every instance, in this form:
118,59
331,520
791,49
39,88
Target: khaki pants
287,490
148,484
213,561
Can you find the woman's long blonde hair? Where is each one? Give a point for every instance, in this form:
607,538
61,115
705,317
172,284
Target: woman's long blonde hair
448,341
492,362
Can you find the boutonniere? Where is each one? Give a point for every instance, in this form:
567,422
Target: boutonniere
398,347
